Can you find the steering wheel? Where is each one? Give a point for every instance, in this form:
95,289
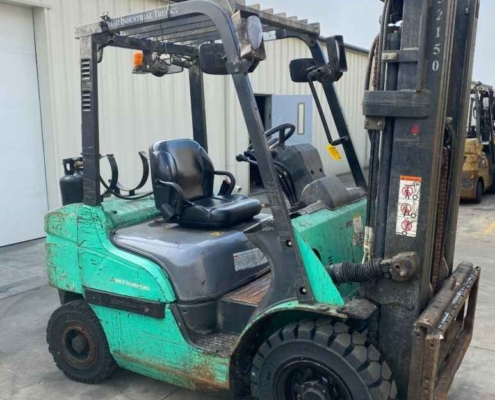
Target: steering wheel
286,131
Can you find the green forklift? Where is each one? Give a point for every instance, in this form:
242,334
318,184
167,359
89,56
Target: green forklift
340,292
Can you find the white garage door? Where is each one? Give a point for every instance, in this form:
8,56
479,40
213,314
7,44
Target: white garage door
23,199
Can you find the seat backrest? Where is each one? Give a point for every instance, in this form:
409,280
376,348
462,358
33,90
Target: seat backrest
184,162
304,165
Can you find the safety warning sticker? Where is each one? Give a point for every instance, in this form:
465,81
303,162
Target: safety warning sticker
408,206
358,237
249,259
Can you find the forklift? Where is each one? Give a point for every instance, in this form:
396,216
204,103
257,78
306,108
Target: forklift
341,293
478,174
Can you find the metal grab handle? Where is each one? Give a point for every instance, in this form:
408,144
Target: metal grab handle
144,176
231,186
114,187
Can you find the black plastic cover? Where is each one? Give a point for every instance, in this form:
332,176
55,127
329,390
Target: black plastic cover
331,192
303,163
202,265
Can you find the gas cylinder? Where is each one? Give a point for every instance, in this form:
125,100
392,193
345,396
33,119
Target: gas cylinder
71,184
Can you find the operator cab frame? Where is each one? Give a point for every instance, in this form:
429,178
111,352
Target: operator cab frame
233,46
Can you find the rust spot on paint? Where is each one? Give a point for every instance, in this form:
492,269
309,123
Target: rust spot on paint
199,377
254,292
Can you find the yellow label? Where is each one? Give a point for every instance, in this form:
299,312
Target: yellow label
334,152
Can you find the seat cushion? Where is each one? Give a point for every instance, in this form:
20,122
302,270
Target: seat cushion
219,212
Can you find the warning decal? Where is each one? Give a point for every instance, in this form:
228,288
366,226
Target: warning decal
334,152
249,259
358,237
408,206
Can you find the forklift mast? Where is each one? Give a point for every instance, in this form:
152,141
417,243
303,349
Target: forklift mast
482,112
484,104
416,114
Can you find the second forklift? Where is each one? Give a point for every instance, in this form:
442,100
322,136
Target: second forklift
478,174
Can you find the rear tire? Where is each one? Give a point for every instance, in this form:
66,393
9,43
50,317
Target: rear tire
320,360
479,192
78,344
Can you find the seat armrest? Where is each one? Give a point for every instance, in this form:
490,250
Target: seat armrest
226,189
178,190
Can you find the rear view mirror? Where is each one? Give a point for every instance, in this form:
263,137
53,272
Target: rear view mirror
337,60
212,59
300,69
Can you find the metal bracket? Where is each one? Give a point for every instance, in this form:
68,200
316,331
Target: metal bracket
402,267
401,56
374,124
358,308
396,104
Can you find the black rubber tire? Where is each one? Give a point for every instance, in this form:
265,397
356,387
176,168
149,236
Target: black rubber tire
355,361
479,192
78,314
492,187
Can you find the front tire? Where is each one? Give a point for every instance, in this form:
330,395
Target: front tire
78,344
479,192
322,361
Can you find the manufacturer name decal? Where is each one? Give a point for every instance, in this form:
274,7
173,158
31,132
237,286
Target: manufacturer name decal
133,285
139,18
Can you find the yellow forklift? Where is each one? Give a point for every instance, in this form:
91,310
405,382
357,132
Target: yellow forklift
478,174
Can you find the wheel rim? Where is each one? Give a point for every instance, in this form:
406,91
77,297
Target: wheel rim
78,346
309,380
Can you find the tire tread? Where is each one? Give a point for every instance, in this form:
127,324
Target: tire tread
351,345
81,308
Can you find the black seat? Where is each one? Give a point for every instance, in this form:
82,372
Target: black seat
183,177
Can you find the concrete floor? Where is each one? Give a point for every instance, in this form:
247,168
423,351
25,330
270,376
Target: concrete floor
26,302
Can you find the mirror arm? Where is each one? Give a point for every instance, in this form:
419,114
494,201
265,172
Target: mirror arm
320,111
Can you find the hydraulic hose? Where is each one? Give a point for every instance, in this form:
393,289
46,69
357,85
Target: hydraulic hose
371,60
383,44
347,272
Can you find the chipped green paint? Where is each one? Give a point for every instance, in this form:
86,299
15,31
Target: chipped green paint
123,213
324,290
79,252
156,348
61,252
294,305
324,236
335,236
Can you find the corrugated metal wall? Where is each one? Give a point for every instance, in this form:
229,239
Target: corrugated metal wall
136,110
